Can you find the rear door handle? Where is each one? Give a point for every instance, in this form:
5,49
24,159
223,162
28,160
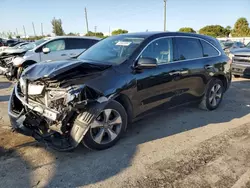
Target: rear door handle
208,67
63,54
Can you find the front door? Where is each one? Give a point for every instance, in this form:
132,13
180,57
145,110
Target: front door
156,86
57,51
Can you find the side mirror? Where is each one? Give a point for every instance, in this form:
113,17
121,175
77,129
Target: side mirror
146,63
46,50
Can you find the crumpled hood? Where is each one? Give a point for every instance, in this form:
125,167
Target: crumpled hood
241,51
62,70
13,50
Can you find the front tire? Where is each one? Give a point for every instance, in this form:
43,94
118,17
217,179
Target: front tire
213,95
107,128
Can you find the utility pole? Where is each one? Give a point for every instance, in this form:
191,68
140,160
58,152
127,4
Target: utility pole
24,31
86,17
16,31
95,30
165,9
34,29
109,31
42,29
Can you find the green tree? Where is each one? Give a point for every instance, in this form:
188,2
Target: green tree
187,30
228,30
241,28
57,27
214,31
72,34
119,31
97,34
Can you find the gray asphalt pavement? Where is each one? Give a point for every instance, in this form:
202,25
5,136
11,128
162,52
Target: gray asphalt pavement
141,158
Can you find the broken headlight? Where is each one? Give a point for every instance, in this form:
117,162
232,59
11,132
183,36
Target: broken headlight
35,89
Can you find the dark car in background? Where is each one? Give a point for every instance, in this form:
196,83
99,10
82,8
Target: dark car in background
93,98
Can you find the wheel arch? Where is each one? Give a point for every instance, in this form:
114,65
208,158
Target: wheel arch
28,63
223,79
126,103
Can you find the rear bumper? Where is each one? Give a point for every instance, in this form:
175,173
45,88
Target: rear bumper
241,69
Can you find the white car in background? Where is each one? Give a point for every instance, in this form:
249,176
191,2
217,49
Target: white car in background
54,48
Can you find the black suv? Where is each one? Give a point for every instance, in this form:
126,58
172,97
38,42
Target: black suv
91,99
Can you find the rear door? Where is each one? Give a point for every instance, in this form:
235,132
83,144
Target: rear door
57,50
75,46
191,80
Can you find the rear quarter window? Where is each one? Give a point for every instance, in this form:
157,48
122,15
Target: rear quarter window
80,43
208,50
187,48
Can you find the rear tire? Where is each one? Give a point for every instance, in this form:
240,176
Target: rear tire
213,95
101,134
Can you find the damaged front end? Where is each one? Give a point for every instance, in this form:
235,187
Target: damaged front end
6,65
57,116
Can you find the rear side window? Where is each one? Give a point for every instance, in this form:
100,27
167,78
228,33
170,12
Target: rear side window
80,43
187,48
208,50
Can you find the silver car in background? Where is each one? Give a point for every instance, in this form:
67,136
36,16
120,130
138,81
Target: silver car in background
53,48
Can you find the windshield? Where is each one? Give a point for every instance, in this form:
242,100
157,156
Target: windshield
112,50
33,44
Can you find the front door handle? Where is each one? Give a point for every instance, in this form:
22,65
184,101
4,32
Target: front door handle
63,54
208,67
175,73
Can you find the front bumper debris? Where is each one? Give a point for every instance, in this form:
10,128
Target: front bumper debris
22,122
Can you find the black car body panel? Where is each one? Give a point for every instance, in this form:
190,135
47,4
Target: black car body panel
170,84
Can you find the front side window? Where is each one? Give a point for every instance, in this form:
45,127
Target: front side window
112,50
248,45
188,48
208,50
160,49
55,45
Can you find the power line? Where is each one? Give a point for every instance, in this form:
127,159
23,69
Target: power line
24,31
86,17
42,29
95,30
34,29
165,7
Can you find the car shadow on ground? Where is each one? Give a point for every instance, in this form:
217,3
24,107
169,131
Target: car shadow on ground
5,85
84,167
4,98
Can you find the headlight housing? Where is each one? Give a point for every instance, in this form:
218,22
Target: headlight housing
18,61
35,89
231,56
